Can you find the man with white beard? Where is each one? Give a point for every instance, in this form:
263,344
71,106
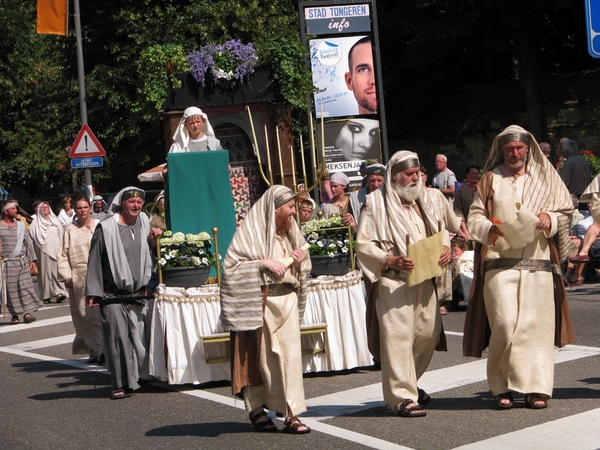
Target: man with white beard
409,325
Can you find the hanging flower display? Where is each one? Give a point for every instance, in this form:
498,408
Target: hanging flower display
231,60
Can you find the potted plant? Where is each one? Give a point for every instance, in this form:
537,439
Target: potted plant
329,246
185,259
230,61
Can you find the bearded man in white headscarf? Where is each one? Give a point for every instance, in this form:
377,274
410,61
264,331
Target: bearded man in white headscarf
408,325
118,278
518,293
262,304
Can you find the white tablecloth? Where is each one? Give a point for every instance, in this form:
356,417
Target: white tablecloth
340,303
179,320
182,316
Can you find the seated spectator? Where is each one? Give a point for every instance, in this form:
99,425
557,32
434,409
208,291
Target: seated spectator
462,270
592,235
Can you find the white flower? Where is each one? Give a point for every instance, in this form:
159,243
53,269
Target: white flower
162,261
179,237
196,261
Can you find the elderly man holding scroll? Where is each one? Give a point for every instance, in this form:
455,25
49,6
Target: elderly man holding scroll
263,296
409,324
520,218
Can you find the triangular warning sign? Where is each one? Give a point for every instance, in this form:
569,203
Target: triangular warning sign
86,144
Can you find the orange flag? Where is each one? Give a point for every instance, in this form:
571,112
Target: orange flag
52,17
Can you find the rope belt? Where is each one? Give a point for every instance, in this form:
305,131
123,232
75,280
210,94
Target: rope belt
535,265
278,290
395,274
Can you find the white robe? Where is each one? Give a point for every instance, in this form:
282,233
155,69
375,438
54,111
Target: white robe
409,321
519,303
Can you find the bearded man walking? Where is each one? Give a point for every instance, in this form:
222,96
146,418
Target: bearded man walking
409,324
518,293
262,303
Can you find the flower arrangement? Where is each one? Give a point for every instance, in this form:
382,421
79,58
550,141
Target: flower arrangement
185,250
589,156
327,236
592,160
231,60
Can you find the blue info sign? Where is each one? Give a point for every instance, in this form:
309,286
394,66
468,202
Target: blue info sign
84,163
592,16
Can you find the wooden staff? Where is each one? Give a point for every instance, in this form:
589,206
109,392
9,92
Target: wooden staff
280,156
260,169
270,170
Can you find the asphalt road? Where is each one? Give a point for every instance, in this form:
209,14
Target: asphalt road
53,400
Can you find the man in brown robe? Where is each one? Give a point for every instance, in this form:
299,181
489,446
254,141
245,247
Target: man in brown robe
263,297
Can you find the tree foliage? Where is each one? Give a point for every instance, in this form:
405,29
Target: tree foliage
429,49
126,44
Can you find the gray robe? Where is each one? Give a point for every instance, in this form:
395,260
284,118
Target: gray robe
124,325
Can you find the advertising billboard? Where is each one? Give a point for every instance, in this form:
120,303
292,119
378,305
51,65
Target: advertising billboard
344,74
348,143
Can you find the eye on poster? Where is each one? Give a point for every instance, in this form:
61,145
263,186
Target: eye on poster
348,143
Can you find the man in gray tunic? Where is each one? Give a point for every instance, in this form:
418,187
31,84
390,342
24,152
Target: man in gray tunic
118,279
18,258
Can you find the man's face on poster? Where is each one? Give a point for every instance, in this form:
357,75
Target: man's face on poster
361,78
356,138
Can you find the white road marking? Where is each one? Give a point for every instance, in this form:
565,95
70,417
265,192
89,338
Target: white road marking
37,324
43,343
576,431
563,433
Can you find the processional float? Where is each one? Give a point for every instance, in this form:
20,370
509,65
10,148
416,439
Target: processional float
318,173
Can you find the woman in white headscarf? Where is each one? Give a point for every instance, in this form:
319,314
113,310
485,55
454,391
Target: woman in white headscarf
340,201
194,133
46,232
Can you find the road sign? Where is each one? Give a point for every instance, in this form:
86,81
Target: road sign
84,163
86,144
592,19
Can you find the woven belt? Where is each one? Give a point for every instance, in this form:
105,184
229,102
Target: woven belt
277,290
395,274
535,265
127,298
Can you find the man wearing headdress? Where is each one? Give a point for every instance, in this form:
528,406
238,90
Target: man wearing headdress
262,304
375,174
18,259
118,279
98,211
518,294
408,326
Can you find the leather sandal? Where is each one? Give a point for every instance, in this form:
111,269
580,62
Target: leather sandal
118,394
405,409
534,401
28,318
506,396
262,425
294,426
14,320
424,398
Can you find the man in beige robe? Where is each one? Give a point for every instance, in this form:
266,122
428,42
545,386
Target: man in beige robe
262,303
410,326
520,285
